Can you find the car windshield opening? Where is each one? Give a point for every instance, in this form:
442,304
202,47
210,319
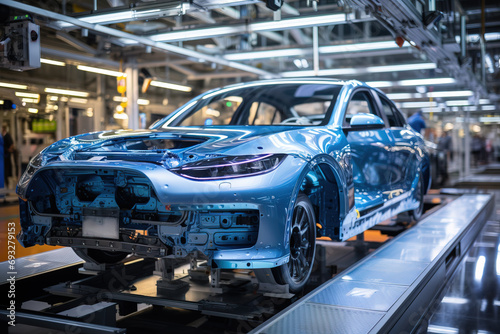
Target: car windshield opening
303,104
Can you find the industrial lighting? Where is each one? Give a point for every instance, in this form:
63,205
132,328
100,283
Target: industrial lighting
142,102
361,70
359,47
78,100
52,62
132,15
427,104
427,82
30,95
489,108
301,22
28,100
322,50
66,92
33,110
415,82
406,96
14,86
119,99
54,98
381,84
458,103
100,71
267,54
489,120
458,93
1,102
168,85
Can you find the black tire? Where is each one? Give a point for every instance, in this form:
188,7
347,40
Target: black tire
98,256
296,272
416,214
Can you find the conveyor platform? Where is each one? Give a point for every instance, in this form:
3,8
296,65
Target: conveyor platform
391,289
386,291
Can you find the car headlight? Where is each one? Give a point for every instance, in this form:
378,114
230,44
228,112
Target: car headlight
230,167
38,161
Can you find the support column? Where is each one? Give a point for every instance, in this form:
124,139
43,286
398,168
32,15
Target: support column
315,50
467,143
132,96
100,106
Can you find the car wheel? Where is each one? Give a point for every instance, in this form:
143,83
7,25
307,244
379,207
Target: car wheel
98,256
419,196
296,272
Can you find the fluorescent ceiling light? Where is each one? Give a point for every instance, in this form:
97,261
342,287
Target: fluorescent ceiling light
295,52
457,93
360,70
404,96
489,36
297,22
415,82
424,104
52,62
142,102
426,82
360,47
78,100
31,95
267,54
381,84
33,110
407,96
119,99
169,85
131,15
458,103
28,100
66,92
100,71
14,86
300,22
54,98
495,119
1,102
489,108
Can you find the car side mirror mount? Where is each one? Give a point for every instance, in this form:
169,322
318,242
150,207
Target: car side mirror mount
363,122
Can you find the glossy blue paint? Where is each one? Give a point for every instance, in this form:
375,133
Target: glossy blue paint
226,191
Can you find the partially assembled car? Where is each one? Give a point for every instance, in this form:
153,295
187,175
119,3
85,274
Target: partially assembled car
244,176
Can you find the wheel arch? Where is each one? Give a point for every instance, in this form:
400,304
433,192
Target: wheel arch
325,185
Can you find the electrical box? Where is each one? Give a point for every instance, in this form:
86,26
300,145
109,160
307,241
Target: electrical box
20,45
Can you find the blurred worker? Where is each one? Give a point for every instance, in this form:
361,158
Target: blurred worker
444,151
476,148
8,149
417,121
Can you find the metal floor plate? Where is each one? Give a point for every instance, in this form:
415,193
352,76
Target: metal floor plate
355,301
40,263
317,318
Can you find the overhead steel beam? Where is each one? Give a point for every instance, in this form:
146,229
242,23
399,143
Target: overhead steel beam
142,40
75,43
78,57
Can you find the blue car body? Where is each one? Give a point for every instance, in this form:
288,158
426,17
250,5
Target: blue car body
226,192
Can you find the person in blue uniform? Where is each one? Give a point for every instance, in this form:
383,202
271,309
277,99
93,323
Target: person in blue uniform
417,121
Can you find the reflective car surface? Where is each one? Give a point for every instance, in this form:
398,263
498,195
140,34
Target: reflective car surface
245,176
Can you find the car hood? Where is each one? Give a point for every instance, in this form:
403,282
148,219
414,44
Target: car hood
186,144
